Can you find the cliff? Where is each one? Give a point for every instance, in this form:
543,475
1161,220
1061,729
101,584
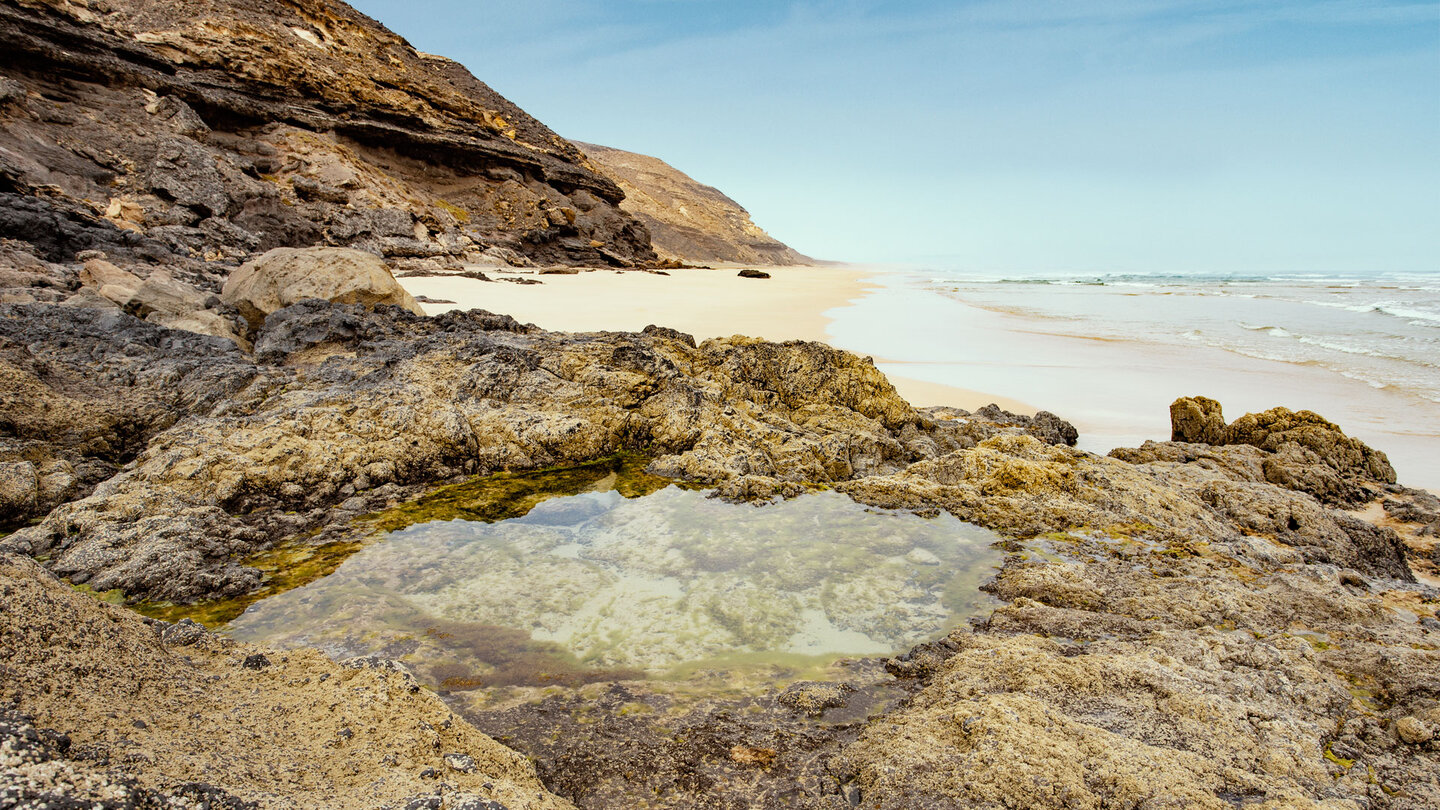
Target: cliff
211,129
688,221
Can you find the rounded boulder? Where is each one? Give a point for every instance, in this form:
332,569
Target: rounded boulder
286,276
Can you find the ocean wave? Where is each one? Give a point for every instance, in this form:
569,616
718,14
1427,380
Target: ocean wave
1418,317
1395,309
1330,344
1276,331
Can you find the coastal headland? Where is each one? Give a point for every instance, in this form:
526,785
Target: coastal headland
226,368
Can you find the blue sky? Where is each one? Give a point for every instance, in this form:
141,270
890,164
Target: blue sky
1082,136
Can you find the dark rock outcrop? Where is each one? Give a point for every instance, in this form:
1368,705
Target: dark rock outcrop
211,129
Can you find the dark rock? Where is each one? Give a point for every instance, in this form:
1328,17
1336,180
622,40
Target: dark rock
390,667
256,661
305,325
184,633
1051,429
179,118
670,334
184,172
58,230
752,273
462,763
814,697
309,189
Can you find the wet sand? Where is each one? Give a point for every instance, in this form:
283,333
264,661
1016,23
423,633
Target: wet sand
795,303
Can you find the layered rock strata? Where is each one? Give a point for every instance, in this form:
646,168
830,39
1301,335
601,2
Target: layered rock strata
212,129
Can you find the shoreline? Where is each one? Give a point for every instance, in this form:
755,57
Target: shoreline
798,302
1117,391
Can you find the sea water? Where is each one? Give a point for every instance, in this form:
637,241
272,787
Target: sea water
1111,351
598,586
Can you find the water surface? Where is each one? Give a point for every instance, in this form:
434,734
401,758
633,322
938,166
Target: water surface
596,586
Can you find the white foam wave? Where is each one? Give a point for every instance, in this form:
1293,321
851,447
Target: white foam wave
1417,317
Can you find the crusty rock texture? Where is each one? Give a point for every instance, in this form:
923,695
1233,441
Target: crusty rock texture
341,402
119,708
1302,451
688,221
212,129
1174,627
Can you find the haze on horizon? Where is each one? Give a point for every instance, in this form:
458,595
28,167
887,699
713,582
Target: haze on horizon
1085,136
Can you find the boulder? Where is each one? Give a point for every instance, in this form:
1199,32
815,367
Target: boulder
286,276
98,273
1198,420
161,293
19,489
752,273
201,322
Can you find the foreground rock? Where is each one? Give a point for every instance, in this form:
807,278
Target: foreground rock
1301,451
343,403
118,706
1175,628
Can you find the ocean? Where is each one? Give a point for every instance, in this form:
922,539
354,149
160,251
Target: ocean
1111,351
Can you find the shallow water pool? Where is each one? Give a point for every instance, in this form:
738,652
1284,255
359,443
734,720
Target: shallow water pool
596,586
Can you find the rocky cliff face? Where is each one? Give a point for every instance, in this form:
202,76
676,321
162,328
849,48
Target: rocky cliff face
688,221
211,129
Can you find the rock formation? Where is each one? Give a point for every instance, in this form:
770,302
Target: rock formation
201,718
688,221
286,276
211,129
1171,622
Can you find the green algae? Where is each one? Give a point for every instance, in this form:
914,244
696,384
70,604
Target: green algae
282,568
487,499
114,596
504,496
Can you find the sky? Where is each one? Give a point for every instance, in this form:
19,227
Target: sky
1039,136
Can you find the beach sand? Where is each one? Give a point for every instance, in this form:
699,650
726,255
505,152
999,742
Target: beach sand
790,305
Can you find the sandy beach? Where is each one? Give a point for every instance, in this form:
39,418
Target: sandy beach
795,303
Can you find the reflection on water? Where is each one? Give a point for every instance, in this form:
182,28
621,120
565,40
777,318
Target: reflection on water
595,586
